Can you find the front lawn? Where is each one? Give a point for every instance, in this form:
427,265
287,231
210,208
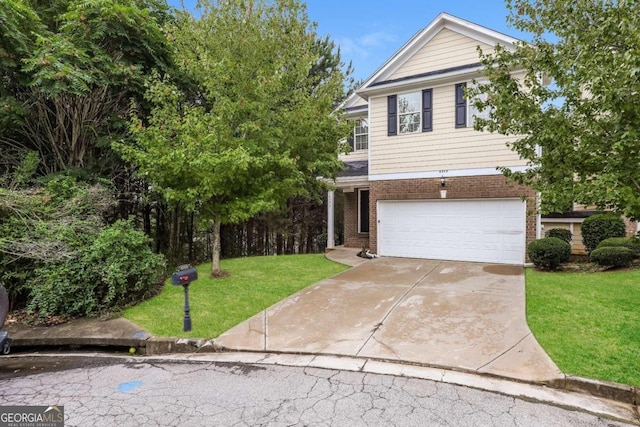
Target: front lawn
589,323
219,304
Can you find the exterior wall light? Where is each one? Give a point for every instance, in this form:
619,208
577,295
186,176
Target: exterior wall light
443,191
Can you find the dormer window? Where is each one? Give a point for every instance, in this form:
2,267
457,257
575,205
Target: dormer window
361,134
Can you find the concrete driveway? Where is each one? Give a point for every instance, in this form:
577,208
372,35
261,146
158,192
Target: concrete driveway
465,316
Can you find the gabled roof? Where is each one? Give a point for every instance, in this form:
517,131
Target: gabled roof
421,38
354,104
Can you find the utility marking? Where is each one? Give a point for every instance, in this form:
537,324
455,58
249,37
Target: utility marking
124,387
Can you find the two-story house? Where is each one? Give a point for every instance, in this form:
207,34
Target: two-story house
420,181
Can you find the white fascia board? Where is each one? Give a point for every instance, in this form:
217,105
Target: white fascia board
357,113
478,32
439,174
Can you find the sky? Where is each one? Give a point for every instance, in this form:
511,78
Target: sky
369,32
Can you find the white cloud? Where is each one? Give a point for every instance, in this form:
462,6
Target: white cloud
368,51
377,39
365,45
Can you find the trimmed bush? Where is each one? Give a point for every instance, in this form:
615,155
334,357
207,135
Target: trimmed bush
596,228
559,233
549,253
612,256
116,270
632,243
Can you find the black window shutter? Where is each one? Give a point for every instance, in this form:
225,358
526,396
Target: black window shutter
427,110
392,113
461,106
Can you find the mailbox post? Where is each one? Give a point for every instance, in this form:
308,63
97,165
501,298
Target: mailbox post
183,277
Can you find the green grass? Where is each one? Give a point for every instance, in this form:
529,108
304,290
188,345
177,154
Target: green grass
589,323
219,304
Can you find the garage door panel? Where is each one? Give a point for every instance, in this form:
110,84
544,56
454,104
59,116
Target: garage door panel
462,230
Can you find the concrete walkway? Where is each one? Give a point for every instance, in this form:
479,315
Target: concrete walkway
463,316
80,332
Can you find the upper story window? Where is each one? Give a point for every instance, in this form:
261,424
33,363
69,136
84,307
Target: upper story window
410,112
466,111
361,134
474,112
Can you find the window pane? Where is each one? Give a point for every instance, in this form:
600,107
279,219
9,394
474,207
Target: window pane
362,142
362,126
473,111
361,134
409,102
409,123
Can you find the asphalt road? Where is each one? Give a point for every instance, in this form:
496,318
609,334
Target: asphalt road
124,392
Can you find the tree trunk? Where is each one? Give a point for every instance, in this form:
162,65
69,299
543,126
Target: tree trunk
279,243
215,258
161,230
190,232
146,218
309,248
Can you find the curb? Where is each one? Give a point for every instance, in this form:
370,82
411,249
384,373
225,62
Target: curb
146,345
157,346
78,342
608,390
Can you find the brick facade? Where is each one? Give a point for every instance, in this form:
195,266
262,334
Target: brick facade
352,238
473,187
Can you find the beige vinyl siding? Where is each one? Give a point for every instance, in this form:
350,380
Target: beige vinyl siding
447,49
359,102
577,247
443,148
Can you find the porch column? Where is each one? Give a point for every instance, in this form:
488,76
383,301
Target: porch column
330,225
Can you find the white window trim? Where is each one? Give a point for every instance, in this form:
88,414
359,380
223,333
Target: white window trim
360,190
355,134
419,112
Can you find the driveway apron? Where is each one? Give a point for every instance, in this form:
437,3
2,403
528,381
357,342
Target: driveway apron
466,316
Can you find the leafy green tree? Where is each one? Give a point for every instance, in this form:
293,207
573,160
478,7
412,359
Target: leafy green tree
59,257
255,125
69,69
572,103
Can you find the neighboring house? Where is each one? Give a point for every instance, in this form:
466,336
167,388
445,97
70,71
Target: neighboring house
420,181
572,221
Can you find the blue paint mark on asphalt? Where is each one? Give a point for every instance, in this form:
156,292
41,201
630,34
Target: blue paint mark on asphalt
124,387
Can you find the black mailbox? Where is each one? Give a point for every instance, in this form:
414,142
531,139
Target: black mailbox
185,275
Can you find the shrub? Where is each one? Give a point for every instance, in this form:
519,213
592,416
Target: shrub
612,256
549,253
118,268
632,243
596,228
559,233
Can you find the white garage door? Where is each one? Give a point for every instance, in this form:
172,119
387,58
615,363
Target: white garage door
459,230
